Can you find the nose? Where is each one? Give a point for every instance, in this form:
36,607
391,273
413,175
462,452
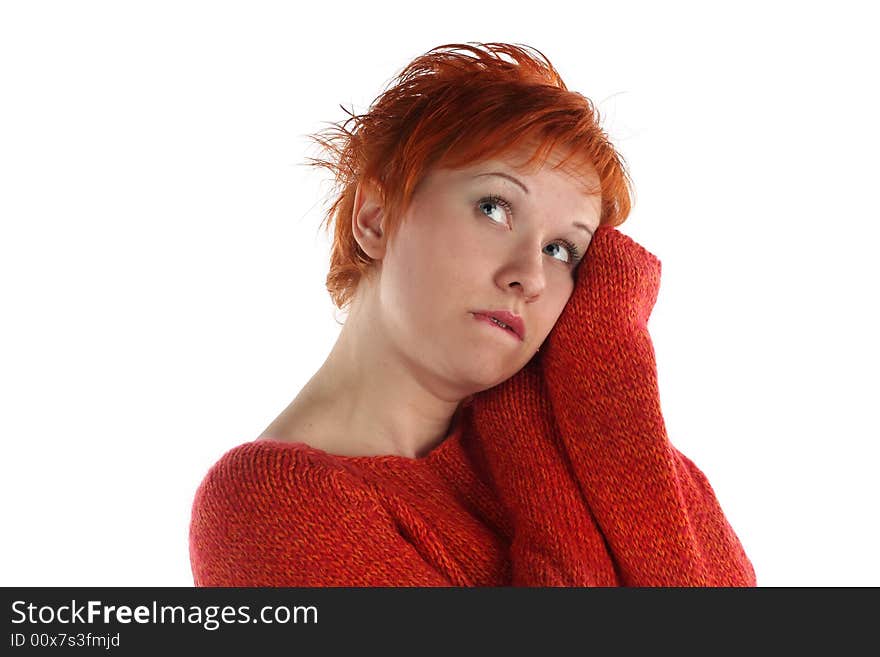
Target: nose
526,271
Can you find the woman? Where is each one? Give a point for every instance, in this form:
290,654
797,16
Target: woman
439,445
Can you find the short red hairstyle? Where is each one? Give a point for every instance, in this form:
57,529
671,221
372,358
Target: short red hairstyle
453,106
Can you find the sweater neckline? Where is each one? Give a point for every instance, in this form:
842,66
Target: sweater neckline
439,453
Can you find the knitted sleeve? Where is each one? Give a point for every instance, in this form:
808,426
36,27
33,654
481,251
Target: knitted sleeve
269,517
555,540
655,508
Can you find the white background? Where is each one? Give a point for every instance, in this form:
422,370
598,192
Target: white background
163,269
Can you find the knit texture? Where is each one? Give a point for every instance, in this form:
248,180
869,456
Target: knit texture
562,475
604,497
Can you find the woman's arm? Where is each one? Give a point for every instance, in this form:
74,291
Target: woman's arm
577,448
655,507
556,541
261,519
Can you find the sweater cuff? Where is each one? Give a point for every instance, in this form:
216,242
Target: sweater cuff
617,283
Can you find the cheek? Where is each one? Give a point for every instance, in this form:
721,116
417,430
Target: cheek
554,309
446,256
422,279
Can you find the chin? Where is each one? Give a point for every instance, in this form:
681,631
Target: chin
486,369
485,378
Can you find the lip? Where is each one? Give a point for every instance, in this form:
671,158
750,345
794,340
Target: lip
513,320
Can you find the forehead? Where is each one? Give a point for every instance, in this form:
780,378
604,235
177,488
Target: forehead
576,170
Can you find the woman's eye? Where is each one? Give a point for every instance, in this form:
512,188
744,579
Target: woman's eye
571,249
497,201
574,253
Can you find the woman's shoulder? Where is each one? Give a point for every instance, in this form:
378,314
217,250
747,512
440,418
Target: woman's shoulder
266,510
274,455
267,467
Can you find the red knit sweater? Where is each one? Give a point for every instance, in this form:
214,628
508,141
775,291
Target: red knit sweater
563,475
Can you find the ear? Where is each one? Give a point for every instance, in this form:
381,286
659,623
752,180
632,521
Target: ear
366,220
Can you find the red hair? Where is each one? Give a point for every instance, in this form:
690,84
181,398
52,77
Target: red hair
455,105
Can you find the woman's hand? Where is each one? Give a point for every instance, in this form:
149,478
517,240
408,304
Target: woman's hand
616,287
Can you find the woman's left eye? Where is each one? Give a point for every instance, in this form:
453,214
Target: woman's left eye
574,253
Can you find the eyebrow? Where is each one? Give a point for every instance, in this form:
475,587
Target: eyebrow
577,224
508,176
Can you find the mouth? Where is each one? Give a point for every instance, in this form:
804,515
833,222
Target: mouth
499,324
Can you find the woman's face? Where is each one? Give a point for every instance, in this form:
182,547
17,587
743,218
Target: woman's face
474,240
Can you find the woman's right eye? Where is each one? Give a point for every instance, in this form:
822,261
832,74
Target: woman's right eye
496,201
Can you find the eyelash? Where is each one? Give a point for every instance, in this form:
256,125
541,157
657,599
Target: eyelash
573,250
